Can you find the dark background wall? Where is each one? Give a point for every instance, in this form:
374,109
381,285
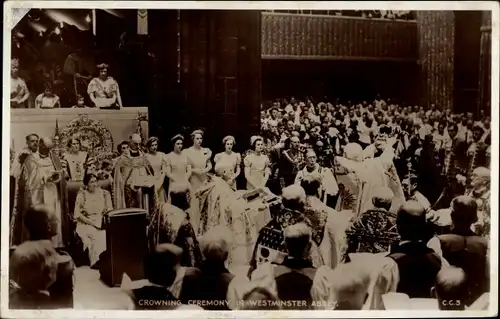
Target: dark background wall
206,74
346,80
467,53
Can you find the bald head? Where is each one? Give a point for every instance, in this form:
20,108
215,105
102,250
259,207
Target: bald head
411,221
353,151
451,285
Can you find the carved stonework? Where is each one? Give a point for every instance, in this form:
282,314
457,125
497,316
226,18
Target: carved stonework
95,138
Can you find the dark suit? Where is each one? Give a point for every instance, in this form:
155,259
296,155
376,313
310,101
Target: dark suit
418,267
294,279
210,282
469,252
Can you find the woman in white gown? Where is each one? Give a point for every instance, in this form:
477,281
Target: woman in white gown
227,163
198,158
257,165
158,163
91,203
177,168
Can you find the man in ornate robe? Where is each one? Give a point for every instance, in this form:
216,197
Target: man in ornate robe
374,173
132,175
42,182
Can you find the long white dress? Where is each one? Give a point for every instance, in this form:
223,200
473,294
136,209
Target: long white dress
92,206
158,162
258,165
225,165
178,164
198,160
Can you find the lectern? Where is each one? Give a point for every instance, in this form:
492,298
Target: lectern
126,245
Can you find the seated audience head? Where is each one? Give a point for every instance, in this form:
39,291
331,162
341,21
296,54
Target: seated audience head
298,240
353,151
411,221
463,212
179,195
41,222
259,298
33,265
382,198
350,287
311,185
160,265
293,197
80,100
450,288
216,244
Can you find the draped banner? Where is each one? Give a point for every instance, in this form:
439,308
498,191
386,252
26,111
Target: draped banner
436,36
142,21
294,36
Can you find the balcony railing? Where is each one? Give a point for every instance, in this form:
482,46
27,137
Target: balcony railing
301,36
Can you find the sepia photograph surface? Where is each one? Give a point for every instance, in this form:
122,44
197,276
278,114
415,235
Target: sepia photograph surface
271,159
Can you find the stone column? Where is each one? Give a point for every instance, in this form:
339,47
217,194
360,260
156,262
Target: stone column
436,54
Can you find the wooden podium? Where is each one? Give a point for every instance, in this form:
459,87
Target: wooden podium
126,245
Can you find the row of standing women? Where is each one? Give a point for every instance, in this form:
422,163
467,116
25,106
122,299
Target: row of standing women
191,165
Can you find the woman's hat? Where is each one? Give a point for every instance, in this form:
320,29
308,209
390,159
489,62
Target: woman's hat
227,138
197,132
102,66
177,137
254,138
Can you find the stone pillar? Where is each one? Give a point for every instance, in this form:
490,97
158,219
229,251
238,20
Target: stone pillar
436,55
484,100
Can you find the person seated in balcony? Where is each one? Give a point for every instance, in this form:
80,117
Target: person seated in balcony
104,91
47,99
80,103
19,92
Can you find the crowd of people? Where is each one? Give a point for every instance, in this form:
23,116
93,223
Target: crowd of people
377,14
420,225
75,80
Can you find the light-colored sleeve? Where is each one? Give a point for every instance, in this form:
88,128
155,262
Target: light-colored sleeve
347,163
383,280
299,177
238,159
216,158
262,277
321,291
247,162
435,244
79,204
329,183
38,101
